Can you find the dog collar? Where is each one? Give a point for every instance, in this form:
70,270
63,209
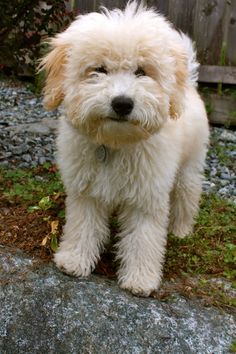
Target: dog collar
101,153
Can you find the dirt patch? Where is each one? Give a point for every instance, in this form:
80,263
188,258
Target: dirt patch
32,233
25,230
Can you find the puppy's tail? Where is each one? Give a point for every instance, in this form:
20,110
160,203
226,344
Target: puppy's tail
193,64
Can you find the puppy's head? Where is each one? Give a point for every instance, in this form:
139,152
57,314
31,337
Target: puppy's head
121,75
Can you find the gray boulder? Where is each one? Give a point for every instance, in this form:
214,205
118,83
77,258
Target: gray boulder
45,311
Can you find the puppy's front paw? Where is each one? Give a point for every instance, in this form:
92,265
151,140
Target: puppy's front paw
138,286
181,231
73,263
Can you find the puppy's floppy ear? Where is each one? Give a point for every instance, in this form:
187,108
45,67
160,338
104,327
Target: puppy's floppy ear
53,64
181,73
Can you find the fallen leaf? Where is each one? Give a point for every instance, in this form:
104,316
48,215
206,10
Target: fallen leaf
54,226
43,243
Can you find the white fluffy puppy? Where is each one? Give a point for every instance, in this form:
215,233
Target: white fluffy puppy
134,139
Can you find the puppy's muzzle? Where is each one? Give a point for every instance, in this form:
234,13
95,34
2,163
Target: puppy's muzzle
122,106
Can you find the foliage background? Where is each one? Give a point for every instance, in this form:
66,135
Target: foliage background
25,26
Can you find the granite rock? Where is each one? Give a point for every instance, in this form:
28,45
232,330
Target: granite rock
45,311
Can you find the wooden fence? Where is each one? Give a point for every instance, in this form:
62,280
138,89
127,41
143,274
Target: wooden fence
210,23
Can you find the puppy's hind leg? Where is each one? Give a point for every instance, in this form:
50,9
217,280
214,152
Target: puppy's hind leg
184,200
85,234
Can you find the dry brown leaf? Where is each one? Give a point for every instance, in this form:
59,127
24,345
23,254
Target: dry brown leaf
43,243
54,226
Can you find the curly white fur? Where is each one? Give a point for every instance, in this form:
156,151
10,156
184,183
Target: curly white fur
153,170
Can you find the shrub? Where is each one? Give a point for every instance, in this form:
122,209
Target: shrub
25,24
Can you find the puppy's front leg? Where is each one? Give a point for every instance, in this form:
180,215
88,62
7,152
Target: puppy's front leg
141,250
85,233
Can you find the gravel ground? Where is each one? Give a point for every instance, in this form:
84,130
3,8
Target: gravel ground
27,136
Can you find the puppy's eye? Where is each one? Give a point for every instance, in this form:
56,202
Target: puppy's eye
140,72
101,69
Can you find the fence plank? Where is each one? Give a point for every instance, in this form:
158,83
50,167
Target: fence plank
181,13
85,6
208,22
111,4
231,40
161,5
223,109
207,31
215,74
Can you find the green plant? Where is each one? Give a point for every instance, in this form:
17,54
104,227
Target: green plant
232,348
232,114
44,204
24,24
29,186
222,63
52,236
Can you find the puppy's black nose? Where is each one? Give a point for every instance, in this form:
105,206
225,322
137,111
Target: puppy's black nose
122,105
